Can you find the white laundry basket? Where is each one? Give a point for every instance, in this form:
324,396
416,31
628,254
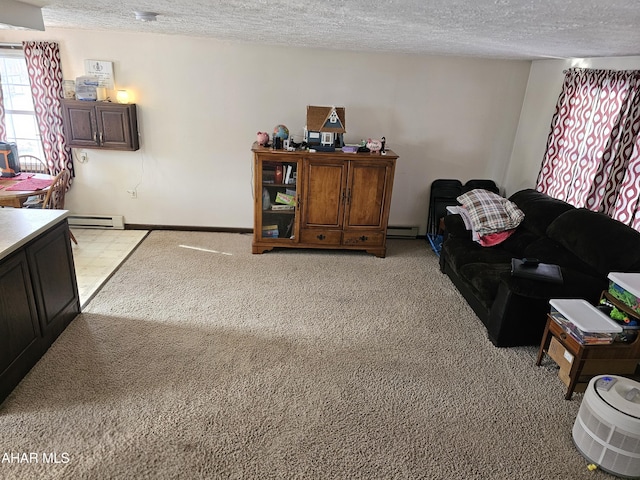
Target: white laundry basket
607,429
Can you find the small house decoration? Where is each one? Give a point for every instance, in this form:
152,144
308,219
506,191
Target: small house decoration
325,126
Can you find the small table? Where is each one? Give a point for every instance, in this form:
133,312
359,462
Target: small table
589,360
16,198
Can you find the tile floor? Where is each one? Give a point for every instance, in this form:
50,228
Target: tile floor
98,254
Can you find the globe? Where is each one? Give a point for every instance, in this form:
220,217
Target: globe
280,131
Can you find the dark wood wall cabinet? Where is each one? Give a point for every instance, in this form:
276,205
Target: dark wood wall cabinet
104,125
337,200
39,299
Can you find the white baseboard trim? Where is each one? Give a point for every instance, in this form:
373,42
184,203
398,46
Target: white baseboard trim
115,222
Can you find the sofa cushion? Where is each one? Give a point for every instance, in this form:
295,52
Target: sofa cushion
539,209
517,243
598,240
484,278
489,212
549,251
460,251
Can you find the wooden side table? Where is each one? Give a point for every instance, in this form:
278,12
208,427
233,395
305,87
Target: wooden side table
588,361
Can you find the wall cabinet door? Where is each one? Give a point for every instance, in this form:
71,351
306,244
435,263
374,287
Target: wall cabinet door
117,126
80,125
104,125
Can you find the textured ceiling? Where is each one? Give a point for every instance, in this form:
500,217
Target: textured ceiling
512,29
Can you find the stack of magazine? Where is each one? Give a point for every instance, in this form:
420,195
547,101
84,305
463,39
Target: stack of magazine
584,322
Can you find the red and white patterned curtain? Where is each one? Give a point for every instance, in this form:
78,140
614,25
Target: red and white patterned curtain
45,75
3,126
593,157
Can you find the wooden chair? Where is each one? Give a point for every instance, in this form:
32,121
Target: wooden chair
55,195
31,164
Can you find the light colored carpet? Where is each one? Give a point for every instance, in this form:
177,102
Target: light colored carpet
211,362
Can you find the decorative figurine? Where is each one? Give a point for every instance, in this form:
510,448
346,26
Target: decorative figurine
262,139
374,145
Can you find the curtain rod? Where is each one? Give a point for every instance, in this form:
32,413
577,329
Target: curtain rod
11,46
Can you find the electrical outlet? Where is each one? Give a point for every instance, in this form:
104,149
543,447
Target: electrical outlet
132,193
83,157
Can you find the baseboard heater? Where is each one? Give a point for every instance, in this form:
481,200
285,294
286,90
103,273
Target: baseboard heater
115,222
402,232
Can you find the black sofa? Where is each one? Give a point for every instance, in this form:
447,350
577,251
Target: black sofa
585,244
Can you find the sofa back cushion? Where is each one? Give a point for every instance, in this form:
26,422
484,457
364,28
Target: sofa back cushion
539,209
598,240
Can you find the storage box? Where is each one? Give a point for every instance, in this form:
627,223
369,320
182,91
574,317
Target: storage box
626,288
86,88
560,355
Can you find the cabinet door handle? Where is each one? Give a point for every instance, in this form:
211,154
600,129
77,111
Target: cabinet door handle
321,237
101,139
95,137
364,238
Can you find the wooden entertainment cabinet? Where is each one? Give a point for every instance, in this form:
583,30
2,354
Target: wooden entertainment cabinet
338,200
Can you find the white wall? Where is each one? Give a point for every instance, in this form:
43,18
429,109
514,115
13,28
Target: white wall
544,87
201,102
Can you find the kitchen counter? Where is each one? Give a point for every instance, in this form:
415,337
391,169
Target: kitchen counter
18,226
39,290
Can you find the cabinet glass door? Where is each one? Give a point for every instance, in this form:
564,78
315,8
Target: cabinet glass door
279,199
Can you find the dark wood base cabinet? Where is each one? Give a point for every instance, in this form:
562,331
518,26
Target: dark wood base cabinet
39,299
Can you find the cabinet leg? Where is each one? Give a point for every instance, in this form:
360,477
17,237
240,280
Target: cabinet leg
544,345
258,249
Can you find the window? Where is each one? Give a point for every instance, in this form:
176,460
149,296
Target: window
20,119
592,158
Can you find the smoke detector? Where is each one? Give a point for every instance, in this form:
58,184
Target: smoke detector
146,16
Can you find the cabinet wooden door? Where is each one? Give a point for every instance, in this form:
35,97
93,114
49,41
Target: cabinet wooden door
115,126
325,183
276,218
366,194
19,331
80,124
56,294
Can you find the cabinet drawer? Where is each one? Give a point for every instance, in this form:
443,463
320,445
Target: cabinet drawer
321,237
363,238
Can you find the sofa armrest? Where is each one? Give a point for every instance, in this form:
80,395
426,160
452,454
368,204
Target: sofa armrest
576,284
455,227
